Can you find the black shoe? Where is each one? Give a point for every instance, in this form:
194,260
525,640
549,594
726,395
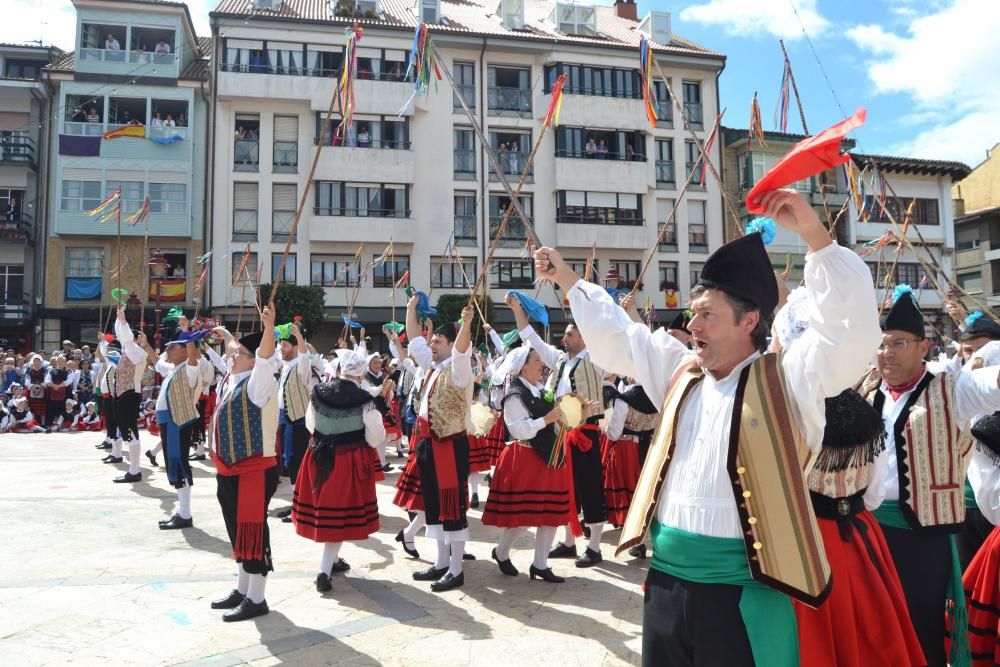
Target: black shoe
590,558
202,457
586,532
323,583
152,458
412,553
104,445
248,609
400,454
638,551
283,512
505,565
175,522
387,467
231,601
488,478
128,479
448,582
468,556
544,575
475,500
340,566
112,459
563,551
430,574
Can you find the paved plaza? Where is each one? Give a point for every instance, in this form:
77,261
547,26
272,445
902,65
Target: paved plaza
88,578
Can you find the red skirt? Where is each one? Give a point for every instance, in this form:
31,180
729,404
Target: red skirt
210,400
409,494
26,427
621,474
479,454
96,426
38,406
345,508
865,620
527,493
377,465
495,440
982,597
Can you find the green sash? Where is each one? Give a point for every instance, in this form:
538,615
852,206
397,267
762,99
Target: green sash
767,614
970,496
889,514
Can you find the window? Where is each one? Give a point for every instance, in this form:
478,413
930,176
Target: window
288,276
664,161
168,198
390,271
761,163
366,200
628,270
692,158
285,152
132,197
244,55
249,272
515,232
284,58
381,64
580,268
246,142
244,211
589,80
127,111
967,238
925,211
84,273
512,274
429,11
668,277
465,153
664,207
80,195
465,218
12,284
696,225
333,271
366,132
284,199
511,148
665,108
508,89
323,61
23,69
582,142
448,272
599,208
513,14
695,272
908,274
971,281
574,19
692,103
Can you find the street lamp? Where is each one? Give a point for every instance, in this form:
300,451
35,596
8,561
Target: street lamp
158,266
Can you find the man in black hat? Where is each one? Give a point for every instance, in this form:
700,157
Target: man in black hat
678,327
722,492
918,488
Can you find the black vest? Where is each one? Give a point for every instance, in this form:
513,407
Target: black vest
537,407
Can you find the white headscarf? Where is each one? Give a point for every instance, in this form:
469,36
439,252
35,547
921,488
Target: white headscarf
513,363
352,364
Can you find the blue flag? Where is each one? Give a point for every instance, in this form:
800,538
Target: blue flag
534,310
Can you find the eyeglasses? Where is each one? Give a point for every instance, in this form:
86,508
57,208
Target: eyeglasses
898,345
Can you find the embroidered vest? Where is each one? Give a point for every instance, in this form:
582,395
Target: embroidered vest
182,400
295,394
767,456
245,430
544,441
584,379
932,452
124,377
448,407
637,423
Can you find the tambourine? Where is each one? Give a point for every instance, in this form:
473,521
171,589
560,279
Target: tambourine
482,418
572,408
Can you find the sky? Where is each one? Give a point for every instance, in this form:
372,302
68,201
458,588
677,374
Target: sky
926,70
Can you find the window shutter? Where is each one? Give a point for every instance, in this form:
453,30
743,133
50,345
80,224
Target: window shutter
245,196
286,128
283,197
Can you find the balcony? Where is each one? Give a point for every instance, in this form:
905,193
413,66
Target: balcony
368,165
507,100
17,150
16,308
515,234
465,230
246,155
602,176
383,95
285,156
619,236
132,63
17,229
665,173
355,229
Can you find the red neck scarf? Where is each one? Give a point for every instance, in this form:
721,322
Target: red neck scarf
898,390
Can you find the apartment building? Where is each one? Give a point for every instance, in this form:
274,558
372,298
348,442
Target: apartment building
139,70
413,172
24,106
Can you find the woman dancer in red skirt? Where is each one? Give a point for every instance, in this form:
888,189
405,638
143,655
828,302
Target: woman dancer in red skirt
629,432
531,487
334,500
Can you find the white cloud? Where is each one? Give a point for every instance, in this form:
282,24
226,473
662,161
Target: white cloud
946,62
750,18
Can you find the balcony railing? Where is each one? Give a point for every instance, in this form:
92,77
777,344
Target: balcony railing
165,132
511,163
17,229
83,129
515,232
265,68
104,55
500,98
665,171
18,149
149,57
15,307
281,225
597,154
602,216
693,112
468,94
465,161
246,154
361,212
285,155
129,56
354,142
465,229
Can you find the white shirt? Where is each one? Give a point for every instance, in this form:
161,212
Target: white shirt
166,369
552,355
135,354
262,384
616,420
112,44
515,415
459,362
299,364
221,365
830,356
374,428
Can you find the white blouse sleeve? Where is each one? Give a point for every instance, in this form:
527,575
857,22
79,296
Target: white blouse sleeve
519,423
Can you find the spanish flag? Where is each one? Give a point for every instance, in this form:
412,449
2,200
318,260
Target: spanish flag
126,131
171,289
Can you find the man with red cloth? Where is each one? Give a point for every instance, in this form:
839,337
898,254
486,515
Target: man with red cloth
574,372
442,441
246,420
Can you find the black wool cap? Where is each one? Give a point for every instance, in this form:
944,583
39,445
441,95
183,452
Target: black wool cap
252,341
984,325
905,316
743,269
680,322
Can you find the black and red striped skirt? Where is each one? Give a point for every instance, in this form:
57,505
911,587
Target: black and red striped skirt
409,494
345,508
479,454
621,475
982,597
494,440
525,492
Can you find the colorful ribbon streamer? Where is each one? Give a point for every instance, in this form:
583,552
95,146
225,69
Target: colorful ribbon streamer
646,81
756,125
555,104
139,215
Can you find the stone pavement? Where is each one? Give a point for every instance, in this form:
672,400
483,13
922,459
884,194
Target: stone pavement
88,578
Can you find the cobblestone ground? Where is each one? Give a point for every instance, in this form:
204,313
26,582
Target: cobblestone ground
88,578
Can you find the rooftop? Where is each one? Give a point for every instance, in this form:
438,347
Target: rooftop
733,135
915,166
474,17
976,216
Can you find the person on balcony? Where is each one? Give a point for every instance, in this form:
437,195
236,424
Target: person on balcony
169,122
93,116
590,150
11,215
364,139
515,158
111,44
79,115
162,47
157,121
602,150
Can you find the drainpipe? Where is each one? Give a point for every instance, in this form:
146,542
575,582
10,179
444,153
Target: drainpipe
721,145
209,217
40,274
483,184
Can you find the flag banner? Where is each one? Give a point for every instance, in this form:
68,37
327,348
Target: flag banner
136,131
170,289
70,144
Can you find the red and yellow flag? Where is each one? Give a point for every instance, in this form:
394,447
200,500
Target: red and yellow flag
170,289
126,131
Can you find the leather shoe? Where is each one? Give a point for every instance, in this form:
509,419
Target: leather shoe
112,459
430,574
287,519
248,609
340,566
563,551
468,556
202,457
387,467
231,601
283,512
505,565
448,582
152,458
323,583
104,445
586,531
475,500
638,551
544,575
127,478
412,553
175,522
590,558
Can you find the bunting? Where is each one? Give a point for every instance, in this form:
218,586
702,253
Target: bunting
646,81
117,271
403,281
203,259
201,279
423,63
